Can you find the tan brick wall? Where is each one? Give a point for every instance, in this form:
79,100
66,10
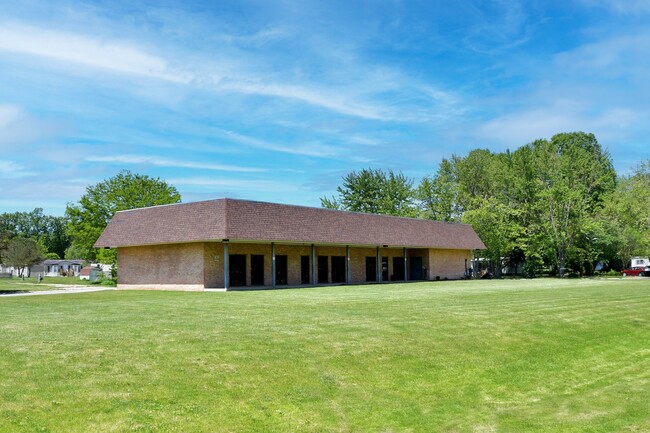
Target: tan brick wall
180,264
198,265
213,264
448,263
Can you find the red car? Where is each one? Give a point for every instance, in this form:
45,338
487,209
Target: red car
634,272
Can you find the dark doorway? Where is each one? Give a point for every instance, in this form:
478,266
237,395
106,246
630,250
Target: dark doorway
398,269
323,270
415,269
237,267
371,268
304,269
257,270
338,269
384,268
281,270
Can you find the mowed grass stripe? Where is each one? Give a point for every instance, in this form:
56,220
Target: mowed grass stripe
527,355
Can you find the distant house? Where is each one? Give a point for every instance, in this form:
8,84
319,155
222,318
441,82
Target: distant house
91,273
56,268
230,243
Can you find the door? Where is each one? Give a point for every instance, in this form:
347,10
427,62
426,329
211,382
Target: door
338,269
398,269
237,265
323,270
304,269
371,268
415,269
281,270
384,268
257,270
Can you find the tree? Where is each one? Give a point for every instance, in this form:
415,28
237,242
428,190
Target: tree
374,191
126,190
48,230
438,195
22,253
4,237
574,175
626,215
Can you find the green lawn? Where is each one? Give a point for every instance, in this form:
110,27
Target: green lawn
31,284
473,356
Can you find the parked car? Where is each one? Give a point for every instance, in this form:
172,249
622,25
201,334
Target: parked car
639,266
633,272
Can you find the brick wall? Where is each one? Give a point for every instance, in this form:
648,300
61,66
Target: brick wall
198,265
177,266
448,263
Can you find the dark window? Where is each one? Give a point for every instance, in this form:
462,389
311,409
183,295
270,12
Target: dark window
281,270
257,270
415,268
398,269
338,269
384,268
304,269
322,269
371,268
237,267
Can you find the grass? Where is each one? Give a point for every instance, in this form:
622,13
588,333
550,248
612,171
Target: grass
472,356
31,284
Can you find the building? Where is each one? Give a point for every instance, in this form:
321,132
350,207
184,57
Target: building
228,243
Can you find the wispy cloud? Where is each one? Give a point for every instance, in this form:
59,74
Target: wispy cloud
85,50
173,163
12,170
314,149
265,185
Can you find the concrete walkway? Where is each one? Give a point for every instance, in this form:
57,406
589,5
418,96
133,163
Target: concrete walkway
60,291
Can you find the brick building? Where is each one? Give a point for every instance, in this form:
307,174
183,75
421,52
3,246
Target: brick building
229,243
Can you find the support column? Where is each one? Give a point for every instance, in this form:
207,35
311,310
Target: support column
273,264
406,278
313,265
226,266
378,266
347,264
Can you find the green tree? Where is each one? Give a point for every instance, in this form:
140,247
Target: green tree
89,217
574,175
627,217
374,191
48,230
438,195
497,225
22,253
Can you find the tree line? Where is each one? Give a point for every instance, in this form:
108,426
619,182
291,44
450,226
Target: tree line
554,206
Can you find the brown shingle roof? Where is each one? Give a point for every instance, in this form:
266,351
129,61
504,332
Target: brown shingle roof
242,220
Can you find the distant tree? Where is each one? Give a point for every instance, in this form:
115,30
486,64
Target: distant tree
126,190
438,195
374,191
22,253
48,230
4,239
627,217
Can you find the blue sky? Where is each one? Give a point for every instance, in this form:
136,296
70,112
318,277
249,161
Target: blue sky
276,100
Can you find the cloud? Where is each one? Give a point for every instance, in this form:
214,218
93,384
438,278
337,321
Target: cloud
12,170
525,126
85,50
314,149
626,7
256,185
9,114
165,162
